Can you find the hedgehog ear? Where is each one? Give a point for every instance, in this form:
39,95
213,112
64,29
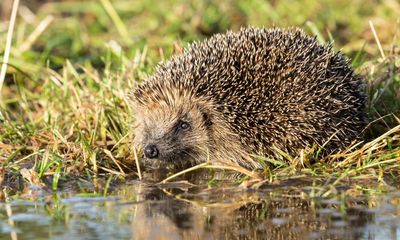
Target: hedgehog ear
206,114
206,119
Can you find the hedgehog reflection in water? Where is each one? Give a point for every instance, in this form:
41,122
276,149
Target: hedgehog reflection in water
248,92
281,214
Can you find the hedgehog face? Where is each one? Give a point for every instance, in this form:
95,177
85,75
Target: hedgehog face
172,133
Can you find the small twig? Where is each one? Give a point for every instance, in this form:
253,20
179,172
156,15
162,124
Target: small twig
8,43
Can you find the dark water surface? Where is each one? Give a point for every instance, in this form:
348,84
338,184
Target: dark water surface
135,210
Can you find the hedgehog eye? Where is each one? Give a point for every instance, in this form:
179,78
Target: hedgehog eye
183,125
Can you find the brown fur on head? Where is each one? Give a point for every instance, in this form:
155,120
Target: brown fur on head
159,116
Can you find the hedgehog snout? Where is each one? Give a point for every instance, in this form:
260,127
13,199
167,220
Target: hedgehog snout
151,151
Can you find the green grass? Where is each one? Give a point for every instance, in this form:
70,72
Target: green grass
64,110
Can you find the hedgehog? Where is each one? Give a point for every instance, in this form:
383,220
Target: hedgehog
239,95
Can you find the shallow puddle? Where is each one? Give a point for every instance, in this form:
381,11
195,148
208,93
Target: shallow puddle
183,211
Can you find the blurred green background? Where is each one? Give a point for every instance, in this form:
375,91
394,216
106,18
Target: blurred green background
82,30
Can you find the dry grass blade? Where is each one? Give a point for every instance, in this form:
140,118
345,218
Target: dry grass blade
8,44
375,145
377,39
2,173
116,19
210,166
36,33
230,205
109,154
184,171
137,163
234,168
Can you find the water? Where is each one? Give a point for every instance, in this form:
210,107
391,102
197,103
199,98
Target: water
136,210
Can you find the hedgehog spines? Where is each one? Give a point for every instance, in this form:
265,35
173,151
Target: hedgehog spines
265,88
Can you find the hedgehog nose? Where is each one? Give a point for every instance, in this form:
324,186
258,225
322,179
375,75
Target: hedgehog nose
151,151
